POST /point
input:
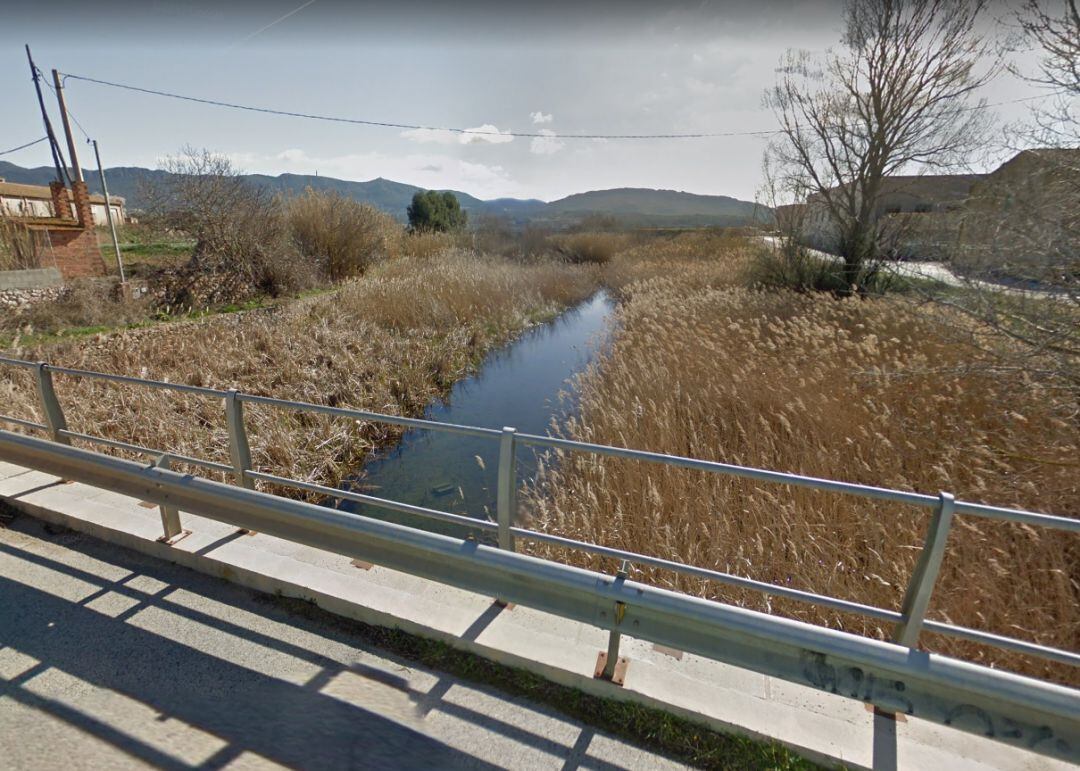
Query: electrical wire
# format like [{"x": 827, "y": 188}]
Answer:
[
  {"x": 23, "y": 147},
  {"x": 411, "y": 126},
  {"x": 472, "y": 132}
]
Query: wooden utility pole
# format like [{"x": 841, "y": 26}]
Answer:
[
  {"x": 108, "y": 211},
  {"x": 59, "y": 85},
  {"x": 58, "y": 159}
]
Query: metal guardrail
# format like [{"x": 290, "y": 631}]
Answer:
[{"x": 1058, "y": 735}]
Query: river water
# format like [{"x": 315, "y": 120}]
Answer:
[{"x": 523, "y": 385}]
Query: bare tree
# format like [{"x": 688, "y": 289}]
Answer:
[
  {"x": 238, "y": 227},
  {"x": 894, "y": 97},
  {"x": 1019, "y": 248},
  {"x": 1057, "y": 38}
]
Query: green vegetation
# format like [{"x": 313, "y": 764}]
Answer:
[{"x": 432, "y": 211}]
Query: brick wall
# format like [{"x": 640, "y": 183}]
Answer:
[{"x": 74, "y": 247}]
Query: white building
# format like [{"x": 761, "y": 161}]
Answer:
[{"x": 18, "y": 200}]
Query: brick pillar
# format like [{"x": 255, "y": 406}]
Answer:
[
  {"x": 83, "y": 213},
  {"x": 61, "y": 200}
]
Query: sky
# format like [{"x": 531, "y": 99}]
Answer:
[{"x": 553, "y": 68}]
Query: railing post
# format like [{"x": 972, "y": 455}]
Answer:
[
  {"x": 54, "y": 415},
  {"x": 923, "y": 578},
  {"x": 170, "y": 515},
  {"x": 609, "y": 666},
  {"x": 239, "y": 451},
  {"x": 507, "y": 488}
]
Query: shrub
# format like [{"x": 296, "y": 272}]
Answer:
[
  {"x": 596, "y": 248},
  {"x": 343, "y": 236},
  {"x": 83, "y": 303},
  {"x": 431, "y": 210}
]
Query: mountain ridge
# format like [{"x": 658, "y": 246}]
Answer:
[{"x": 631, "y": 205}]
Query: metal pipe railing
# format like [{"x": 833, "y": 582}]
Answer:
[
  {"x": 908, "y": 622},
  {"x": 1037, "y": 716}
]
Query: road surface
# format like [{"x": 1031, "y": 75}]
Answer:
[{"x": 109, "y": 659}]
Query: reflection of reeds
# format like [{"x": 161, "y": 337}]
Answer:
[
  {"x": 18, "y": 246},
  {"x": 390, "y": 342},
  {"x": 856, "y": 390}
]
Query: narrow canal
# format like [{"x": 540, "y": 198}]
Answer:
[{"x": 519, "y": 386}]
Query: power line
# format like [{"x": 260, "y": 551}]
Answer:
[
  {"x": 23, "y": 147},
  {"x": 69, "y": 112},
  {"x": 476, "y": 132},
  {"x": 387, "y": 124}
]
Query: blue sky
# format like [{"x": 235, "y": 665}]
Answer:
[{"x": 630, "y": 67}]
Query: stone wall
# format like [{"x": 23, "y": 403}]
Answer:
[{"x": 17, "y": 299}]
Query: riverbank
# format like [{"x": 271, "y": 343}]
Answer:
[
  {"x": 875, "y": 391},
  {"x": 392, "y": 341}
]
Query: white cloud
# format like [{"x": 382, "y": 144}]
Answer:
[
  {"x": 548, "y": 144},
  {"x": 485, "y": 134},
  {"x": 540, "y": 117}
]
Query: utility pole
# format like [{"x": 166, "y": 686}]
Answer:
[
  {"x": 58, "y": 159},
  {"x": 108, "y": 212},
  {"x": 67, "y": 126}
]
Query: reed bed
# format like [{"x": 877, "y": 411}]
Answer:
[
  {"x": 390, "y": 342},
  {"x": 869, "y": 391}
]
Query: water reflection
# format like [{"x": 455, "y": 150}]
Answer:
[{"x": 518, "y": 386}]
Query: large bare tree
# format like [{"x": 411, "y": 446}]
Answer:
[
  {"x": 1022, "y": 226},
  {"x": 895, "y": 97}
]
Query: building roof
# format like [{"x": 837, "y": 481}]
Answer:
[{"x": 17, "y": 190}]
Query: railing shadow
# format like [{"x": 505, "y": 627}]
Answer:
[{"x": 293, "y": 724}]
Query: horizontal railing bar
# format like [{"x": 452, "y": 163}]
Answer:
[
  {"x": 23, "y": 423},
  {"x": 382, "y": 503},
  {"x": 160, "y": 384},
  {"x": 1000, "y": 641},
  {"x": 712, "y": 575},
  {"x": 117, "y": 444},
  {"x": 1025, "y": 712},
  {"x": 18, "y": 363},
  {"x": 1056, "y": 522},
  {"x": 749, "y": 472},
  {"x": 816, "y": 483},
  {"x": 377, "y": 417}
]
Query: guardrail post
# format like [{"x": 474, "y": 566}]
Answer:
[
  {"x": 54, "y": 415},
  {"x": 507, "y": 488},
  {"x": 239, "y": 451},
  {"x": 170, "y": 515},
  {"x": 608, "y": 664},
  {"x": 921, "y": 585}
]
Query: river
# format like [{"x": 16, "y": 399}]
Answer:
[{"x": 523, "y": 385}]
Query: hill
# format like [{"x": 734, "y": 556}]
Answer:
[{"x": 631, "y": 206}]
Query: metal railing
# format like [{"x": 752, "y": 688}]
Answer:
[{"x": 908, "y": 622}]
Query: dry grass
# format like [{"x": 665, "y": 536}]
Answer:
[
  {"x": 859, "y": 390},
  {"x": 392, "y": 342}
]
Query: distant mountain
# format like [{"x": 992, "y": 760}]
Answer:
[{"x": 632, "y": 206}]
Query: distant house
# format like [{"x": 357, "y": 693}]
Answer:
[
  {"x": 1028, "y": 208},
  {"x": 1025, "y": 216},
  {"x": 17, "y": 200},
  {"x": 908, "y": 211}
]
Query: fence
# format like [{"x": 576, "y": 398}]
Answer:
[{"x": 896, "y": 676}]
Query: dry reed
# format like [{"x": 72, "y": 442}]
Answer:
[
  {"x": 390, "y": 342},
  {"x": 867, "y": 391}
]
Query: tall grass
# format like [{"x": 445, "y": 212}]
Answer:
[
  {"x": 391, "y": 342},
  {"x": 861, "y": 390}
]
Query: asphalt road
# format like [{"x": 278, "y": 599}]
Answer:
[{"x": 109, "y": 659}]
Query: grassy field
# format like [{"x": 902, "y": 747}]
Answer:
[
  {"x": 391, "y": 341},
  {"x": 875, "y": 391}
]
